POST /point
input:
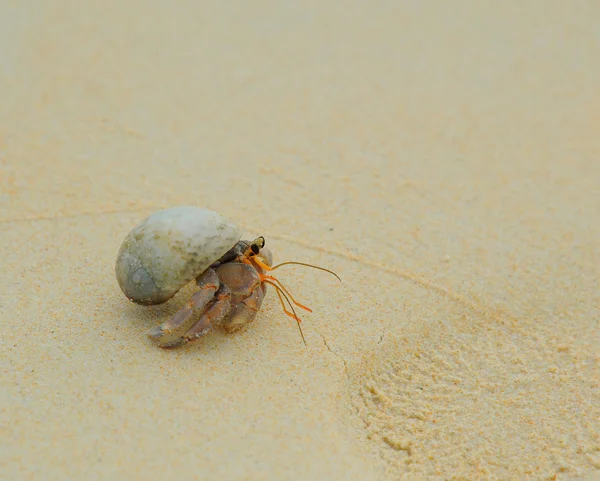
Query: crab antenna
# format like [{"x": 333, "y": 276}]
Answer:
[
  {"x": 280, "y": 293},
  {"x": 283, "y": 288},
  {"x": 306, "y": 265}
]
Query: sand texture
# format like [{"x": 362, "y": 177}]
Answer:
[{"x": 442, "y": 157}]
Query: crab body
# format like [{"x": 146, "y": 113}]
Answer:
[{"x": 230, "y": 294}]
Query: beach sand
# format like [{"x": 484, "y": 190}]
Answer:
[{"x": 441, "y": 157}]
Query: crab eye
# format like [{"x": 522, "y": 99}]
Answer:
[{"x": 257, "y": 245}]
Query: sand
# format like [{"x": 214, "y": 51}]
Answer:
[{"x": 441, "y": 157}]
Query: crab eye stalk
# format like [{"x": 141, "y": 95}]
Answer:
[{"x": 256, "y": 245}]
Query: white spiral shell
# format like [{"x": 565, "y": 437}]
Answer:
[{"x": 169, "y": 249}]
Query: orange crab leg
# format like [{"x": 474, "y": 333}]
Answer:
[
  {"x": 249, "y": 260},
  {"x": 246, "y": 260},
  {"x": 261, "y": 263},
  {"x": 293, "y": 316},
  {"x": 271, "y": 278}
]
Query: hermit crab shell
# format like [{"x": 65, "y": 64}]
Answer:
[{"x": 169, "y": 249}]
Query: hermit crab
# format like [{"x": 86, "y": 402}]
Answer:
[{"x": 172, "y": 247}]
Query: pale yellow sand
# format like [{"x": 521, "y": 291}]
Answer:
[{"x": 442, "y": 157}]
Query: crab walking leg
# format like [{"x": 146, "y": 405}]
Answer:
[
  {"x": 245, "y": 312},
  {"x": 212, "y": 316},
  {"x": 247, "y": 293},
  {"x": 171, "y": 331}
]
